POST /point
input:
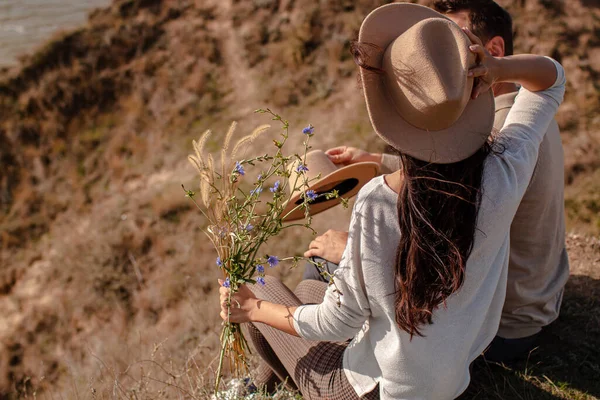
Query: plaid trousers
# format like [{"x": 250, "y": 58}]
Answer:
[{"x": 314, "y": 368}]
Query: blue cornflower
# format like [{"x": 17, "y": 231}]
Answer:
[
  {"x": 239, "y": 168},
  {"x": 219, "y": 262},
  {"x": 227, "y": 283},
  {"x": 301, "y": 168},
  {"x": 311, "y": 194},
  {"x": 309, "y": 130},
  {"x": 256, "y": 191},
  {"x": 272, "y": 261},
  {"x": 260, "y": 269},
  {"x": 261, "y": 281},
  {"x": 275, "y": 187},
  {"x": 249, "y": 227}
]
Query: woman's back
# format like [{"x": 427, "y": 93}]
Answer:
[
  {"x": 382, "y": 353},
  {"x": 435, "y": 365}
]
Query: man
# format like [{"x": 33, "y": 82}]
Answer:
[{"x": 538, "y": 266}]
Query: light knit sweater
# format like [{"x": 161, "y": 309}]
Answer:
[{"x": 435, "y": 366}]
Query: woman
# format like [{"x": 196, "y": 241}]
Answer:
[{"x": 421, "y": 285}]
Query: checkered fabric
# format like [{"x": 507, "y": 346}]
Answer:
[{"x": 315, "y": 367}]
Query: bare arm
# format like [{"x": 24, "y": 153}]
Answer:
[
  {"x": 245, "y": 307},
  {"x": 534, "y": 73},
  {"x": 346, "y": 155},
  {"x": 351, "y": 155},
  {"x": 275, "y": 315}
]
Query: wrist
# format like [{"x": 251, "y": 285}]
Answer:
[
  {"x": 254, "y": 310},
  {"x": 376, "y": 157},
  {"x": 498, "y": 69}
]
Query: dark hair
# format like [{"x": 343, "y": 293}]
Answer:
[
  {"x": 487, "y": 19},
  {"x": 437, "y": 211}
]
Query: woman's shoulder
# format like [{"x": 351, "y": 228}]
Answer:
[
  {"x": 376, "y": 187},
  {"x": 376, "y": 193}
]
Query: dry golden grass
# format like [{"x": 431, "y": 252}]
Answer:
[{"x": 106, "y": 279}]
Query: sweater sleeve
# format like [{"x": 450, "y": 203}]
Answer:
[
  {"x": 345, "y": 307},
  {"x": 524, "y": 130}
]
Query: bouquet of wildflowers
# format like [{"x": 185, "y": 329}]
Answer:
[{"x": 244, "y": 215}]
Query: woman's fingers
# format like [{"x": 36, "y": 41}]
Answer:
[
  {"x": 314, "y": 244},
  {"x": 480, "y": 87},
  {"x": 479, "y": 52},
  {"x": 474, "y": 39},
  {"x": 236, "y": 307},
  {"x": 314, "y": 250},
  {"x": 479, "y": 70},
  {"x": 311, "y": 253}
]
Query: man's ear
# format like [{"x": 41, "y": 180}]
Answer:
[{"x": 495, "y": 46}]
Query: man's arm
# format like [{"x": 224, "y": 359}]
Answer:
[{"x": 351, "y": 155}]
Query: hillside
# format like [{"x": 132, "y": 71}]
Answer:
[{"x": 104, "y": 270}]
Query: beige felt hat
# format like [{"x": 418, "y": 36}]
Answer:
[
  {"x": 347, "y": 180},
  {"x": 421, "y": 104}
]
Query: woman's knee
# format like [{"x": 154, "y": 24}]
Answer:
[
  {"x": 275, "y": 291},
  {"x": 311, "y": 291}
]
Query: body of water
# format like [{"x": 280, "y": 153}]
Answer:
[{"x": 25, "y": 24}]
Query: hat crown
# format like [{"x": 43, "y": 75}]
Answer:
[
  {"x": 324, "y": 176},
  {"x": 317, "y": 162},
  {"x": 418, "y": 114},
  {"x": 426, "y": 73}
]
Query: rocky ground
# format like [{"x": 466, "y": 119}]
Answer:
[{"x": 107, "y": 283}]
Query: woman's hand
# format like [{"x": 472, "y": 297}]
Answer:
[
  {"x": 243, "y": 304},
  {"x": 329, "y": 246},
  {"x": 351, "y": 155},
  {"x": 245, "y": 307},
  {"x": 485, "y": 71},
  {"x": 534, "y": 73}
]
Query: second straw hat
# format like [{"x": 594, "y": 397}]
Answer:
[{"x": 347, "y": 180}]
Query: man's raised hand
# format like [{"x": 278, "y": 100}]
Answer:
[{"x": 350, "y": 155}]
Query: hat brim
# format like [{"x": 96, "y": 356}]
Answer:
[
  {"x": 347, "y": 180},
  {"x": 456, "y": 143}
]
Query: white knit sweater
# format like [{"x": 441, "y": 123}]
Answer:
[{"x": 435, "y": 366}]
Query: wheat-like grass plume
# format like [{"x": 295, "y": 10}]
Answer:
[
  {"x": 229, "y": 136},
  {"x": 196, "y": 163},
  {"x": 204, "y": 191},
  {"x": 199, "y": 146},
  {"x": 224, "y": 161},
  {"x": 208, "y": 181},
  {"x": 248, "y": 140},
  {"x": 259, "y": 130},
  {"x": 230, "y": 212}
]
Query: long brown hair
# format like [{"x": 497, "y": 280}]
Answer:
[{"x": 437, "y": 211}]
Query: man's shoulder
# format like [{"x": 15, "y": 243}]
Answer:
[{"x": 504, "y": 103}]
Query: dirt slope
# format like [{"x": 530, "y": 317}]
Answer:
[{"x": 102, "y": 261}]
